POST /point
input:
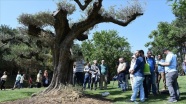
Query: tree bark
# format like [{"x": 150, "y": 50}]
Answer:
[{"x": 63, "y": 69}]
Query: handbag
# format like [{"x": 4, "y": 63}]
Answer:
[{"x": 146, "y": 69}]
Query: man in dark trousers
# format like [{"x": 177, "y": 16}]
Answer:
[{"x": 171, "y": 75}]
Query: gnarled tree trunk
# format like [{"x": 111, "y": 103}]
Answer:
[{"x": 65, "y": 35}]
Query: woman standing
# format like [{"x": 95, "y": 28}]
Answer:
[
  {"x": 45, "y": 79},
  {"x": 3, "y": 80},
  {"x": 39, "y": 79}
]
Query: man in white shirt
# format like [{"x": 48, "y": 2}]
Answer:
[
  {"x": 132, "y": 63},
  {"x": 121, "y": 74}
]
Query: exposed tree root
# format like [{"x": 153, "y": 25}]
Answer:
[{"x": 62, "y": 95}]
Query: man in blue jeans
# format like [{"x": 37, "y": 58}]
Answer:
[
  {"x": 87, "y": 75},
  {"x": 138, "y": 77},
  {"x": 171, "y": 75},
  {"x": 152, "y": 63}
]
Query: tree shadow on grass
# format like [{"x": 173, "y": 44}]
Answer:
[
  {"x": 115, "y": 92},
  {"x": 97, "y": 97},
  {"x": 182, "y": 96},
  {"x": 110, "y": 88}
]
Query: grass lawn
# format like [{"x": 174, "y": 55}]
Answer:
[
  {"x": 9, "y": 95},
  {"x": 120, "y": 97},
  {"x": 116, "y": 95}
]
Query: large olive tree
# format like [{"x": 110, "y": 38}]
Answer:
[{"x": 64, "y": 32}]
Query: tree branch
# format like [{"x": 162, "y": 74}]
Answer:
[
  {"x": 83, "y": 7},
  {"x": 96, "y": 7},
  {"x": 91, "y": 20},
  {"x": 16, "y": 40},
  {"x": 121, "y": 22}
]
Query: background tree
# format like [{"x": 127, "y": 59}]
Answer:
[
  {"x": 108, "y": 46},
  {"x": 171, "y": 35},
  {"x": 20, "y": 51},
  {"x": 61, "y": 39},
  {"x": 179, "y": 7}
]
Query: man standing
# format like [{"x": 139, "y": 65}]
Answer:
[
  {"x": 171, "y": 75},
  {"x": 79, "y": 74},
  {"x": 152, "y": 63},
  {"x": 104, "y": 74},
  {"x": 138, "y": 77},
  {"x": 132, "y": 63},
  {"x": 121, "y": 73}
]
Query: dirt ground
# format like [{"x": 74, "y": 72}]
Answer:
[
  {"x": 58, "y": 100},
  {"x": 72, "y": 97}
]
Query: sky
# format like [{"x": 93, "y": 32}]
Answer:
[{"x": 136, "y": 32}]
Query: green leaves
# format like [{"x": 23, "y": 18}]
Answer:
[
  {"x": 22, "y": 49},
  {"x": 108, "y": 46},
  {"x": 41, "y": 19},
  {"x": 179, "y": 8}
]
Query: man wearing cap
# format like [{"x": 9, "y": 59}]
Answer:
[
  {"x": 171, "y": 75},
  {"x": 132, "y": 63}
]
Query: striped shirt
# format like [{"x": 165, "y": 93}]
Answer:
[{"x": 79, "y": 66}]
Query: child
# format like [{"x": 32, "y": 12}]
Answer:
[{"x": 30, "y": 82}]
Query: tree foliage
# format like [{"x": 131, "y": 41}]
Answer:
[
  {"x": 108, "y": 46},
  {"x": 171, "y": 35},
  {"x": 22, "y": 50},
  {"x": 179, "y": 8}
]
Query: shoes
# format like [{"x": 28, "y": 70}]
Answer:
[
  {"x": 172, "y": 101},
  {"x": 142, "y": 100}
]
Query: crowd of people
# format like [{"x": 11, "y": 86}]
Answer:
[
  {"x": 144, "y": 72},
  {"x": 143, "y": 83},
  {"x": 41, "y": 80},
  {"x": 93, "y": 74}
]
